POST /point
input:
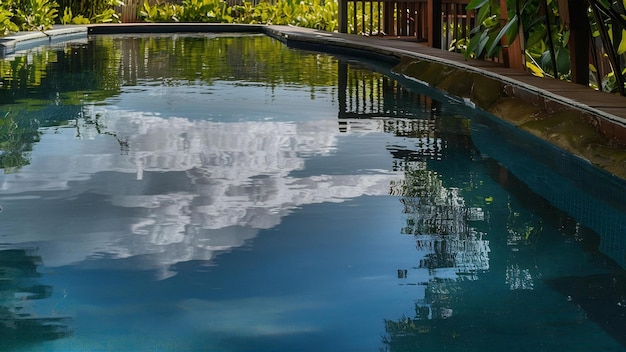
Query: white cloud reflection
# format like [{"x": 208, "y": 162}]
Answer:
[{"x": 230, "y": 181}]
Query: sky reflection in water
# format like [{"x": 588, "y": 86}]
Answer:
[{"x": 234, "y": 216}]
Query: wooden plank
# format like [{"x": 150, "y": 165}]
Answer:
[{"x": 620, "y": 112}]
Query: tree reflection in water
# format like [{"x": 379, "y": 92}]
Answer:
[
  {"x": 20, "y": 324},
  {"x": 473, "y": 300}
]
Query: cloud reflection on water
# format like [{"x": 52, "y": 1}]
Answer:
[{"x": 228, "y": 181}]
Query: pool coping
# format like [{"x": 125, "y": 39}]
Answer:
[
  {"x": 608, "y": 116},
  {"x": 27, "y": 40}
]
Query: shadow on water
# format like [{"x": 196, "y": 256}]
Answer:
[
  {"x": 20, "y": 324},
  {"x": 468, "y": 313},
  {"x": 601, "y": 296},
  {"x": 593, "y": 197}
]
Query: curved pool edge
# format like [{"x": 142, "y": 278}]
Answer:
[
  {"x": 26, "y": 40},
  {"x": 539, "y": 106}
]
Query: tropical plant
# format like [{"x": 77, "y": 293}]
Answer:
[
  {"x": 94, "y": 11},
  {"x": 6, "y": 26},
  {"x": 608, "y": 22},
  {"x": 545, "y": 37},
  {"x": 311, "y": 14},
  {"x": 35, "y": 14},
  {"x": 483, "y": 36},
  {"x": 160, "y": 13},
  {"x": 68, "y": 18},
  {"x": 216, "y": 11}
]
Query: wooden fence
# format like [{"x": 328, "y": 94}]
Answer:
[
  {"x": 441, "y": 23},
  {"x": 128, "y": 11}
]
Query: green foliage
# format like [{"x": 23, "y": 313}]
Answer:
[
  {"x": 160, "y": 13},
  {"x": 541, "y": 41},
  {"x": 608, "y": 23},
  {"x": 545, "y": 38},
  {"x": 38, "y": 15},
  {"x": 487, "y": 28},
  {"x": 34, "y": 15},
  {"x": 67, "y": 18},
  {"x": 6, "y": 26},
  {"x": 106, "y": 16},
  {"x": 310, "y": 14},
  {"x": 94, "y": 11},
  {"x": 213, "y": 11},
  {"x": 15, "y": 143}
]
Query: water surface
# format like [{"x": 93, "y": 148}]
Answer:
[{"x": 227, "y": 193}]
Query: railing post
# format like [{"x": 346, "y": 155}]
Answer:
[
  {"x": 342, "y": 16},
  {"x": 575, "y": 11},
  {"x": 434, "y": 23},
  {"x": 512, "y": 54},
  {"x": 388, "y": 14}
]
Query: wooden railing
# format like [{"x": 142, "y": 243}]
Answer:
[
  {"x": 128, "y": 11},
  {"x": 441, "y": 22}
]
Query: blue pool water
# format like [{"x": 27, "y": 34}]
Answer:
[{"x": 227, "y": 193}]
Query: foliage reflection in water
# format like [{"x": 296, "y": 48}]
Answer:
[{"x": 228, "y": 193}]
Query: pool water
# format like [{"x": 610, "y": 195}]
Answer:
[{"x": 228, "y": 193}]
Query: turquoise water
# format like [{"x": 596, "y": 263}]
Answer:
[{"x": 227, "y": 193}]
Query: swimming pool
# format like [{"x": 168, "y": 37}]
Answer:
[{"x": 227, "y": 193}]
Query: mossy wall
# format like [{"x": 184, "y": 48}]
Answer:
[{"x": 569, "y": 128}]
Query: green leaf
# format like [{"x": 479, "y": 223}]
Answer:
[
  {"x": 471, "y": 46},
  {"x": 474, "y": 4},
  {"x": 482, "y": 43},
  {"x": 565, "y": 39},
  {"x": 605, "y": 4},
  {"x": 536, "y": 21},
  {"x": 494, "y": 44},
  {"x": 482, "y": 14},
  {"x": 622, "y": 44},
  {"x": 562, "y": 60},
  {"x": 511, "y": 29},
  {"x": 490, "y": 44},
  {"x": 534, "y": 69},
  {"x": 546, "y": 62}
]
